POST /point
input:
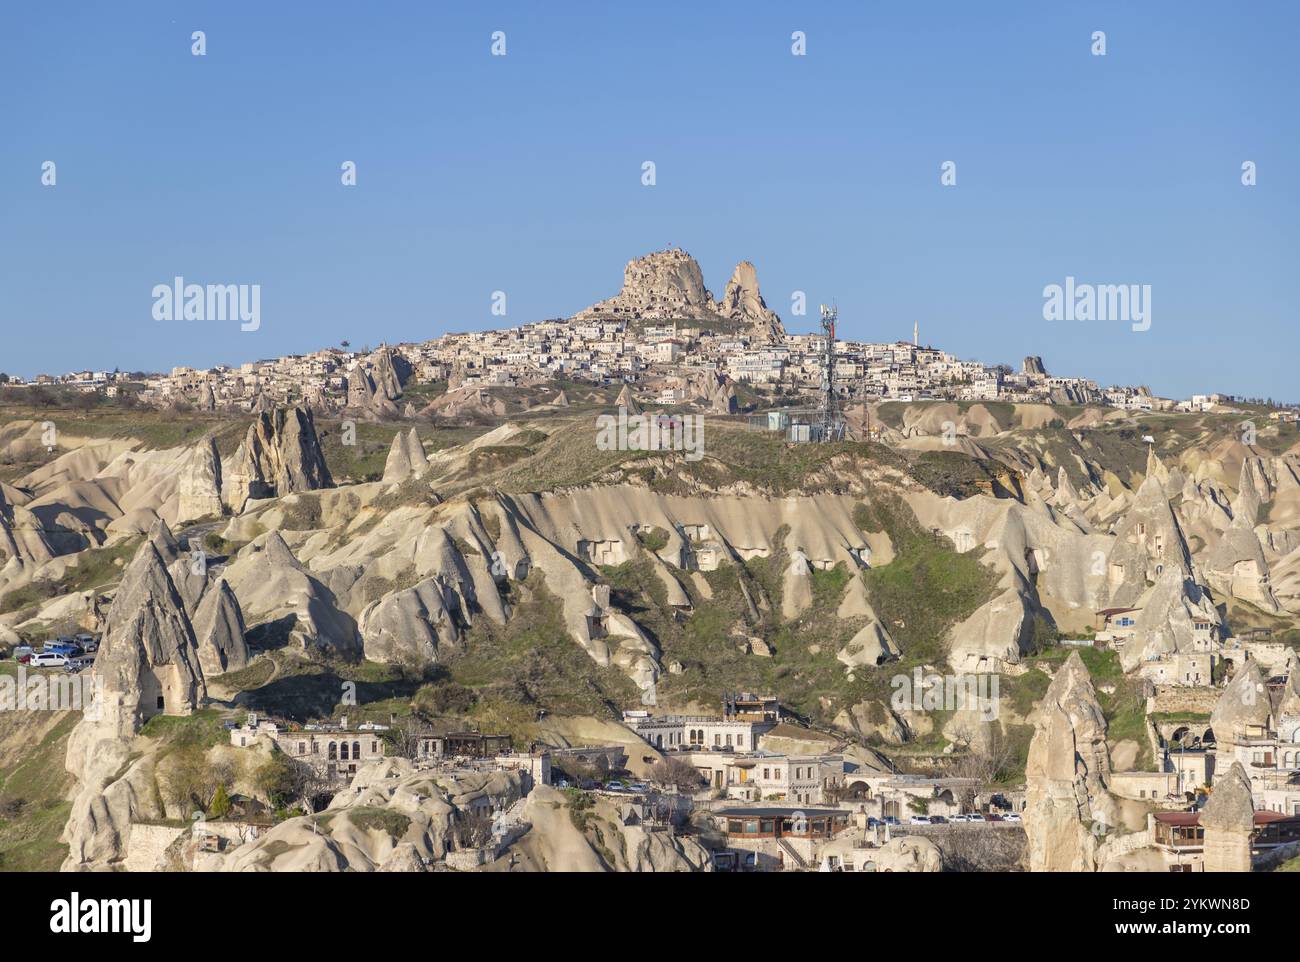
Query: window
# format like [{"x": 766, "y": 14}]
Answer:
[
  {"x": 333, "y": 751},
  {"x": 717, "y": 739},
  {"x": 161, "y": 703},
  {"x": 356, "y": 749},
  {"x": 343, "y": 751},
  {"x": 302, "y": 748},
  {"x": 740, "y": 741}
]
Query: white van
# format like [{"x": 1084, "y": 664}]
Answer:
[{"x": 48, "y": 659}]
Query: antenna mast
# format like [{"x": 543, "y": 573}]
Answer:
[{"x": 830, "y": 421}]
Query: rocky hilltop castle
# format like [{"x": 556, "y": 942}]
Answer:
[{"x": 668, "y": 285}]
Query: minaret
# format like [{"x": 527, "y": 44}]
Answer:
[{"x": 916, "y": 334}]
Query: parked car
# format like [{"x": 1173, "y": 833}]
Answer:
[
  {"x": 48, "y": 659},
  {"x": 79, "y": 664},
  {"x": 87, "y": 643},
  {"x": 562, "y": 783},
  {"x": 891, "y": 820},
  {"x": 992, "y": 817},
  {"x": 23, "y": 651},
  {"x": 919, "y": 820},
  {"x": 638, "y": 787},
  {"x": 63, "y": 647},
  {"x": 938, "y": 820},
  {"x": 614, "y": 786},
  {"x": 974, "y": 817},
  {"x": 1011, "y": 817},
  {"x": 873, "y": 822}
]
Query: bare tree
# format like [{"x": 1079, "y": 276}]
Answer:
[
  {"x": 676, "y": 774},
  {"x": 835, "y": 792},
  {"x": 405, "y": 738},
  {"x": 986, "y": 760},
  {"x": 473, "y": 830},
  {"x": 981, "y": 848}
]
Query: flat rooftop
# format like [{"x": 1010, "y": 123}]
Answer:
[{"x": 779, "y": 812}]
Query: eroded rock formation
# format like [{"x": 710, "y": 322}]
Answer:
[
  {"x": 280, "y": 454},
  {"x": 1068, "y": 805},
  {"x": 1229, "y": 820},
  {"x": 147, "y": 664}
]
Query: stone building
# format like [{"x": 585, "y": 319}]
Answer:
[
  {"x": 1256, "y": 723},
  {"x": 334, "y": 751}
]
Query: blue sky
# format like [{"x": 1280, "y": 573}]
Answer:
[{"x": 523, "y": 173}]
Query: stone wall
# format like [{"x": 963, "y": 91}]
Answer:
[{"x": 1175, "y": 698}]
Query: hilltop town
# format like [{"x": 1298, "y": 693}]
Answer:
[
  {"x": 645, "y": 589},
  {"x": 663, "y": 332}
]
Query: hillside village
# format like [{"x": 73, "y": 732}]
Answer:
[{"x": 402, "y": 610}]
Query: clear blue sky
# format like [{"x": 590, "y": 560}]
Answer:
[{"x": 523, "y": 174}]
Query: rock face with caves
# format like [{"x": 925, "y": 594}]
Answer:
[{"x": 402, "y": 573}]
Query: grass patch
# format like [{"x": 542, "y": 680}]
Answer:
[
  {"x": 29, "y": 838},
  {"x": 531, "y": 663},
  {"x": 370, "y": 819},
  {"x": 201, "y": 730},
  {"x": 928, "y": 587}
]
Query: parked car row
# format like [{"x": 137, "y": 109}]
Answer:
[
  {"x": 617, "y": 786},
  {"x": 68, "y": 653},
  {"x": 967, "y": 819}
]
